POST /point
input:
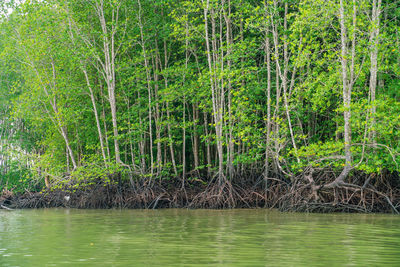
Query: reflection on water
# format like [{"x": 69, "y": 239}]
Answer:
[{"x": 62, "y": 237}]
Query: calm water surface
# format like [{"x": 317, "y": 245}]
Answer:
[{"x": 63, "y": 237}]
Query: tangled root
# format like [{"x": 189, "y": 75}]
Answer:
[{"x": 305, "y": 193}]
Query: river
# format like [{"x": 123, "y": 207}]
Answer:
[{"x": 69, "y": 237}]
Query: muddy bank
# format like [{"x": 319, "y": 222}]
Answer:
[{"x": 305, "y": 193}]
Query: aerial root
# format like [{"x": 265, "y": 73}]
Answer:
[
  {"x": 321, "y": 194},
  {"x": 307, "y": 192}
]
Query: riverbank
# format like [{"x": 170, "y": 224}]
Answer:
[{"x": 305, "y": 193}]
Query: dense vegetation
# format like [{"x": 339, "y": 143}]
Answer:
[{"x": 216, "y": 91}]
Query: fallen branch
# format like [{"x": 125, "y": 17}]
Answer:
[{"x": 6, "y": 208}]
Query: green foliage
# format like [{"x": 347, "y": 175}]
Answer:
[
  {"x": 180, "y": 92},
  {"x": 18, "y": 179},
  {"x": 93, "y": 171}
]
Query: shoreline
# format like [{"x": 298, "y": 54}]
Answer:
[{"x": 280, "y": 194}]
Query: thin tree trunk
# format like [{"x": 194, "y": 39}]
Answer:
[
  {"x": 157, "y": 116},
  {"x": 229, "y": 44},
  {"x": 208, "y": 149},
  {"x": 109, "y": 66},
  {"x": 141, "y": 144},
  {"x": 268, "y": 61},
  {"x": 146, "y": 64},
  {"x": 284, "y": 76},
  {"x": 62, "y": 127},
  {"x": 347, "y": 86},
  {"x": 184, "y": 142},
  {"x": 277, "y": 84},
  {"x": 108, "y": 75},
  {"x": 374, "y": 40},
  {"x": 96, "y": 115},
  {"x": 170, "y": 142},
  {"x": 217, "y": 93},
  {"x": 195, "y": 137},
  {"x": 104, "y": 120}
]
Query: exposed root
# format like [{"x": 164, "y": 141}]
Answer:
[
  {"x": 311, "y": 191},
  {"x": 218, "y": 196},
  {"x": 314, "y": 191}
]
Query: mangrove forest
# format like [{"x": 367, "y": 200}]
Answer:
[{"x": 288, "y": 104}]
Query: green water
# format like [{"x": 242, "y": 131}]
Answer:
[{"x": 62, "y": 237}]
